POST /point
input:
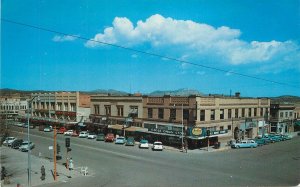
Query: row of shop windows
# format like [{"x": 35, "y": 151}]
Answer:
[
  {"x": 252, "y": 112},
  {"x": 13, "y": 107},
  {"x": 120, "y": 110},
  {"x": 55, "y": 106}
]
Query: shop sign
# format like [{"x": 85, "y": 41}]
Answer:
[
  {"x": 196, "y": 131},
  {"x": 165, "y": 131}
]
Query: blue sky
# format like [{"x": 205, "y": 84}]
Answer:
[{"x": 258, "y": 38}]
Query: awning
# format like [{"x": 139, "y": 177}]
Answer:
[
  {"x": 138, "y": 129},
  {"x": 297, "y": 123},
  {"x": 117, "y": 127}
]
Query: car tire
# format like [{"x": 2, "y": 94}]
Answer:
[{"x": 237, "y": 147}]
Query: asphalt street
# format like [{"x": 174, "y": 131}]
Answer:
[{"x": 276, "y": 164}]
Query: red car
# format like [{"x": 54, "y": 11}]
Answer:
[
  {"x": 109, "y": 137},
  {"x": 61, "y": 130},
  {"x": 74, "y": 133}
]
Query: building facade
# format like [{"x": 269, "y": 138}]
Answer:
[
  {"x": 282, "y": 117},
  {"x": 59, "y": 107},
  {"x": 116, "y": 113},
  {"x": 234, "y": 117},
  {"x": 11, "y": 107}
]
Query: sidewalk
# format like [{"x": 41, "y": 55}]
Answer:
[
  {"x": 16, "y": 164},
  {"x": 223, "y": 147}
]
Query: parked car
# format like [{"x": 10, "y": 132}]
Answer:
[
  {"x": 100, "y": 137},
  {"x": 25, "y": 146},
  {"x": 144, "y": 144},
  {"x": 266, "y": 139},
  {"x": 244, "y": 144},
  {"x": 48, "y": 129},
  {"x": 260, "y": 141},
  {"x": 287, "y": 137},
  {"x": 157, "y": 146},
  {"x": 83, "y": 134},
  {"x": 68, "y": 133},
  {"x": 130, "y": 141},
  {"x": 91, "y": 135},
  {"x": 25, "y": 125},
  {"x": 120, "y": 140},
  {"x": 109, "y": 137},
  {"x": 275, "y": 138},
  {"x": 9, "y": 140},
  {"x": 61, "y": 130},
  {"x": 74, "y": 133},
  {"x": 17, "y": 143},
  {"x": 19, "y": 124}
]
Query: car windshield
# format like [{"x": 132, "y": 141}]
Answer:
[
  {"x": 92, "y": 133},
  {"x": 120, "y": 138},
  {"x": 157, "y": 143},
  {"x": 144, "y": 141}
]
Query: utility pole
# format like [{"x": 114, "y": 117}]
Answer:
[{"x": 54, "y": 153}]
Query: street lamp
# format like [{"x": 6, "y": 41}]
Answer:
[{"x": 28, "y": 139}]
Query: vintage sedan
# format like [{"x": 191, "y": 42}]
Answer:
[
  {"x": 144, "y": 144},
  {"x": 244, "y": 144},
  {"x": 91, "y": 135},
  {"x": 120, "y": 140},
  {"x": 9, "y": 140},
  {"x": 26, "y": 146},
  {"x": 130, "y": 141},
  {"x": 83, "y": 134},
  {"x": 109, "y": 137},
  {"x": 157, "y": 146},
  {"x": 68, "y": 133},
  {"x": 100, "y": 137}
]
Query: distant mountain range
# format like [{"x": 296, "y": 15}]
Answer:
[{"x": 179, "y": 92}]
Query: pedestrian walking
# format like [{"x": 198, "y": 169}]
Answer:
[
  {"x": 43, "y": 173},
  {"x": 71, "y": 164}
]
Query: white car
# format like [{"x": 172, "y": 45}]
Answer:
[
  {"x": 157, "y": 146},
  {"x": 47, "y": 129},
  {"x": 144, "y": 144},
  {"x": 68, "y": 133},
  {"x": 9, "y": 140},
  {"x": 25, "y": 146},
  {"x": 92, "y": 135},
  {"x": 83, "y": 134}
]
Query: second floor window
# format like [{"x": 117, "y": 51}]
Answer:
[
  {"x": 236, "y": 113},
  {"x": 221, "y": 113},
  {"x": 97, "y": 109},
  {"x": 186, "y": 114},
  {"x": 249, "y": 112},
  {"x": 107, "y": 110},
  {"x": 212, "y": 114},
  {"x": 202, "y": 115},
  {"x": 161, "y": 113},
  {"x": 243, "y": 112},
  {"x": 172, "y": 114},
  {"x": 229, "y": 113},
  {"x": 120, "y": 110},
  {"x": 150, "y": 113}
]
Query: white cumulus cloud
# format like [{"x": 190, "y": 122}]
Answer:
[
  {"x": 194, "y": 39},
  {"x": 64, "y": 38}
]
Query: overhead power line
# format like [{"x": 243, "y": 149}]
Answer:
[{"x": 146, "y": 53}]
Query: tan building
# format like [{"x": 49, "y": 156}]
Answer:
[
  {"x": 60, "y": 107},
  {"x": 116, "y": 112},
  {"x": 282, "y": 116},
  {"x": 234, "y": 117}
]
